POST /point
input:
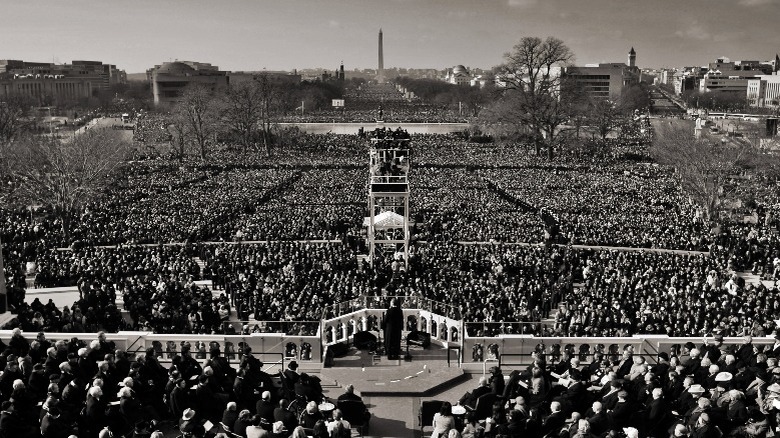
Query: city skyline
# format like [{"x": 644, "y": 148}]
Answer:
[{"x": 297, "y": 34}]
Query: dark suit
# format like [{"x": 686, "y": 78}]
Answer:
[
  {"x": 96, "y": 413},
  {"x": 54, "y": 427},
  {"x": 394, "y": 324},
  {"x": 553, "y": 423},
  {"x": 706, "y": 431},
  {"x": 657, "y": 416},
  {"x": 471, "y": 399},
  {"x": 621, "y": 414},
  {"x": 286, "y": 417},
  {"x": 265, "y": 409},
  {"x": 599, "y": 423}
]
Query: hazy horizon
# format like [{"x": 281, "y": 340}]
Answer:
[{"x": 299, "y": 34}]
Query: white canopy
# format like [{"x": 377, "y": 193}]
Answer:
[{"x": 386, "y": 219}]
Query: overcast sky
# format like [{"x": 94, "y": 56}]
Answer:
[{"x": 287, "y": 34}]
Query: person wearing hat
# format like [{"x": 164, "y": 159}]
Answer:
[
  {"x": 771, "y": 398},
  {"x": 688, "y": 400},
  {"x": 190, "y": 425}
]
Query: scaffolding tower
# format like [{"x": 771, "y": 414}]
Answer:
[{"x": 388, "y": 201}]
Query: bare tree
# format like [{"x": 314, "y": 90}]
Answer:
[
  {"x": 604, "y": 115},
  {"x": 65, "y": 173},
  {"x": 532, "y": 77},
  {"x": 178, "y": 129},
  {"x": 243, "y": 106},
  {"x": 14, "y": 117},
  {"x": 704, "y": 164},
  {"x": 271, "y": 101},
  {"x": 196, "y": 114}
]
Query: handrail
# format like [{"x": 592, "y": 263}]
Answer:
[
  {"x": 305, "y": 328},
  {"x": 381, "y": 302},
  {"x": 501, "y": 328}
]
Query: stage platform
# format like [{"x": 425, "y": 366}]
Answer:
[{"x": 426, "y": 374}]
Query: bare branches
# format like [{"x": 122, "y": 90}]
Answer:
[
  {"x": 242, "y": 109},
  {"x": 196, "y": 117},
  {"x": 532, "y": 78},
  {"x": 65, "y": 173},
  {"x": 703, "y": 164},
  {"x": 14, "y": 119}
]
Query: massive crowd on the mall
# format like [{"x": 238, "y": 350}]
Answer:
[{"x": 278, "y": 238}]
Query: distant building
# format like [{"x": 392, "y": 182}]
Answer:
[
  {"x": 458, "y": 75},
  {"x": 687, "y": 79},
  {"x": 764, "y": 91},
  {"x": 54, "y": 83},
  {"x": 725, "y": 76},
  {"x": 170, "y": 79},
  {"x": 606, "y": 81}
]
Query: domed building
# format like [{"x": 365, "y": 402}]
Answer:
[
  {"x": 458, "y": 75},
  {"x": 171, "y": 78}
]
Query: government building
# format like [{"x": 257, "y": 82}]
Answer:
[
  {"x": 51, "y": 83},
  {"x": 606, "y": 81}
]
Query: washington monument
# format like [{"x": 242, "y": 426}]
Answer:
[{"x": 380, "y": 71}]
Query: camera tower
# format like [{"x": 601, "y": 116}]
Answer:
[{"x": 388, "y": 201}]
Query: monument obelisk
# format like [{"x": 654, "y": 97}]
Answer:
[{"x": 380, "y": 71}]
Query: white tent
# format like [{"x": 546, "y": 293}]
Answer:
[{"x": 386, "y": 219}]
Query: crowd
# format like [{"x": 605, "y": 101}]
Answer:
[
  {"x": 285, "y": 281},
  {"x": 88, "y": 388},
  {"x": 701, "y": 390},
  {"x": 625, "y": 206},
  {"x": 475, "y": 209},
  {"x": 383, "y": 102}
]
